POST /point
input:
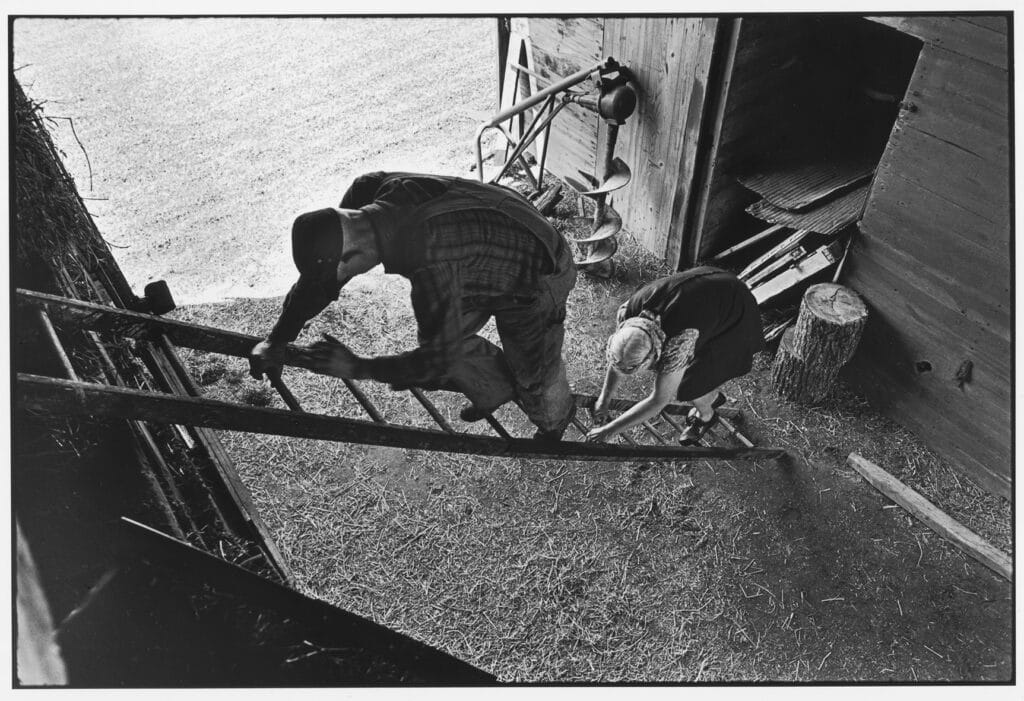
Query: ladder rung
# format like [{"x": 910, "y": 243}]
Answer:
[
  {"x": 364, "y": 401},
  {"x": 496, "y": 425},
  {"x": 650, "y": 429},
  {"x": 431, "y": 409},
  {"x": 58, "y": 347},
  {"x": 286, "y": 394}
]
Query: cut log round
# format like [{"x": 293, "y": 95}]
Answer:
[
  {"x": 829, "y": 325},
  {"x": 798, "y": 379}
]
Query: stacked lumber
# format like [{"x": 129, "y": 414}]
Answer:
[
  {"x": 812, "y": 202},
  {"x": 824, "y": 338}
]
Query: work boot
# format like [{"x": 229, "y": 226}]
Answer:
[
  {"x": 553, "y": 435},
  {"x": 471, "y": 413}
]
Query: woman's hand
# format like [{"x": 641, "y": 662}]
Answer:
[
  {"x": 599, "y": 434},
  {"x": 601, "y": 413}
]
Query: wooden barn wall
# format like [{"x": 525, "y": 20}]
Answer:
[
  {"x": 561, "y": 47},
  {"x": 759, "y": 64},
  {"x": 671, "y": 58},
  {"x": 932, "y": 258}
]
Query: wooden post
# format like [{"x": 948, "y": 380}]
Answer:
[{"x": 824, "y": 338}]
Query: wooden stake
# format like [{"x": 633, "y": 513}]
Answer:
[{"x": 922, "y": 509}]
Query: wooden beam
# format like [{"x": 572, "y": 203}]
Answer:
[
  {"x": 771, "y": 230},
  {"x": 922, "y": 509},
  {"x": 801, "y": 270},
  {"x": 65, "y": 397}
]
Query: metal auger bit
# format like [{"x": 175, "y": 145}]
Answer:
[
  {"x": 600, "y": 251},
  {"x": 618, "y": 177},
  {"x": 611, "y": 224}
]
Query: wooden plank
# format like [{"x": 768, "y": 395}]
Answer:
[
  {"x": 560, "y": 47},
  {"x": 738, "y": 126},
  {"x": 947, "y": 297},
  {"x": 787, "y": 243},
  {"x": 906, "y": 215},
  {"x": 997, "y": 23},
  {"x": 913, "y": 332},
  {"x": 946, "y": 86},
  {"x": 926, "y": 512},
  {"x": 225, "y": 466},
  {"x": 955, "y": 35},
  {"x": 65, "y": 397},
  {"x": 671, "y": 59},
  {"x": 950, "y": 173},
  {"x": 756, "y": 238},
  {"x": 801, "y": 270},
  {"x": 979, "y": 448}
]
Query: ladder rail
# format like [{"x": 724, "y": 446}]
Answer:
[
  {"x": 59, "y": 396},
  {"x": 101, "y": 317}
]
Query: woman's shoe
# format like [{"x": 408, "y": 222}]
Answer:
[{"x": 696, "y": 428}]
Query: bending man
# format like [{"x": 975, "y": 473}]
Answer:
[
  {"x": 471, "y": 251},
  {"x": 696, "y": 330}
]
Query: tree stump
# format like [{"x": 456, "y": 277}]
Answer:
[
  {"x": 797, "y": 379},
  {"x": 824, "y": 338},
  {"x": 830, "y": 324}
]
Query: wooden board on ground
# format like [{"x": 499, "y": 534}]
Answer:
[{"x": 950, "y": 529}]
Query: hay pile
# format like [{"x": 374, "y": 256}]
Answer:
[{"x": 52, "y": 229}]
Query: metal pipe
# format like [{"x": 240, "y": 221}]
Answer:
[
  {"x": 536, "y": 98},
  {"x": 526, "y": 139},
  {"x": 532, "y": 137}
]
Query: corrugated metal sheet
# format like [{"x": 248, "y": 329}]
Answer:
[
  {"x": 829, "y": 218},
  {"x": 800, "y": 185}
]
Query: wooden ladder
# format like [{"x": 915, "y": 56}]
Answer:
[{"x": 71, "y": 396}]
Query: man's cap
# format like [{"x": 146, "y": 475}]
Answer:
[{"x": 317, "y": 243}]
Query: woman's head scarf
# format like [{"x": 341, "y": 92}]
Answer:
[{"x": 636, "y": 344}]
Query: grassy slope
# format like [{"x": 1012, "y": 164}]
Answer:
[{"x": 208, "y": 136}]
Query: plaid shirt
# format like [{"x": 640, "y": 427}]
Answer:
[{"x": 461, "y": 260}]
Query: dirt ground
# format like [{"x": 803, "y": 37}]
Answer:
[{"x": 207, "y": 137}]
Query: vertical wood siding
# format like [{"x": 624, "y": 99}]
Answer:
[
  {"x": 561, "y": 47},
  {"x": 760, "y": 68},
  {"x": 671, "y": 58},
  {"x": 933, "y": 257}
]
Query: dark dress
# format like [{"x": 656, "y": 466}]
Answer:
[{"x": 721, "y": 308}]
